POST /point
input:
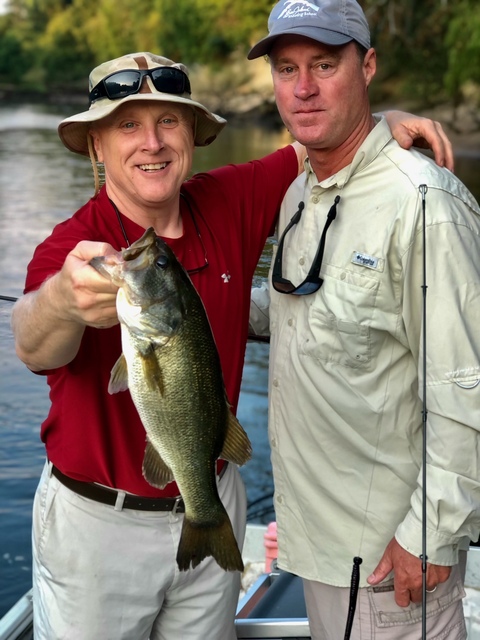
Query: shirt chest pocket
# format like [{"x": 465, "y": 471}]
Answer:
[{"x": 339, "y": 324}]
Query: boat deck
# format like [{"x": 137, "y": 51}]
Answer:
[{"x": 271, "y": 605}]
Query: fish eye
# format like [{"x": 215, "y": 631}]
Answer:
[{"x": 162, "y": 262}]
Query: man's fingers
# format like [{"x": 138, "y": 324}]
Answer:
[
  {"x": 403, "y": 597},
  {"x": 440, "y": 144}
]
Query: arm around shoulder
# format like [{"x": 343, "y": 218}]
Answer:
[
  {"x": 301, "y": 152},
  {"x": 408, "y": 130}
]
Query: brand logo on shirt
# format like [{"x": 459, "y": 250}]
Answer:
[
  {"x": 365, "y": 260},
  {"x": 226, "y": 277},
  {"x": 296, "y": 8}
]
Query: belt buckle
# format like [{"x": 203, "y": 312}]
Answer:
[{"x": 178, "y": 500}]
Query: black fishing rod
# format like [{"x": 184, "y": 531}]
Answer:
[
  {"x": 354, "y": 584},
  {"x": 423, "y": 190},
  {"x": 251, "y": 337}
]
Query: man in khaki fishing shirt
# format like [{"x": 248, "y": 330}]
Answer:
[{"x": 346, "y": 364}]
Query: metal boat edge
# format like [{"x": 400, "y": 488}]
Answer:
[{"x": 17, "y": 623}]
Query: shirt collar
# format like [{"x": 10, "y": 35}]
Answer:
[{"x": 373, "y": 144}]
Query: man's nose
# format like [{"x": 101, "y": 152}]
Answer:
[
  {"x": 305, "y": 86},
  {"x": 154, "y": 139}
]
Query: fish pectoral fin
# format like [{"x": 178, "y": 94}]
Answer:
[
  {"x": 155, "y": 471},
  {"x": 118, "y": 376},
  {"x": 151, "y": 370},
  {"x": 237, "y": 447}
]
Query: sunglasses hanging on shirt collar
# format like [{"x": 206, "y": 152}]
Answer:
[{"x": 312, "y": 282}]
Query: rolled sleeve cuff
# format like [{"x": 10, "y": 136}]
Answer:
[{"x": 441, "y": 549}]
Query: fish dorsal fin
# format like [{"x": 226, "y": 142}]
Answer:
[
  {"x": 155, "y": 471},
  {"x": 118, "y": 376},
  {"x": 237, "y": 447}
]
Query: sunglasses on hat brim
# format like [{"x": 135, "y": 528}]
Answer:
[{"x": 121, "y": 84}]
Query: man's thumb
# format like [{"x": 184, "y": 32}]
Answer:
[{"x": 381, "y": 571}]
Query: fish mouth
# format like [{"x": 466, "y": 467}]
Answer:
[
  {"x": 152, "y": 167},
  {"x": 110, "y": 266},
  {"x": 120, "y": 267}
]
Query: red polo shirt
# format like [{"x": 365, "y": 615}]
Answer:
[{"x": 93, "y": 436}]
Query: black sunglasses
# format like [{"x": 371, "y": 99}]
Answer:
[
  {"x": 312, "y": 282},
  {"x": 128, "y": 82}
]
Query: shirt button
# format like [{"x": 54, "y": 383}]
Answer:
[
  {"x": 315, "y": 199},
  {"x": 273, "y": 442},
  {"x": 275, "y": 382},
  {"x": 280, "y": 499},
  {"x": 343, "y": 276},
  {"x": 290, "y": 322},
  {"x": 301, "y": 261}
]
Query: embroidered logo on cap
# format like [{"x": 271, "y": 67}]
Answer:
[
  {"x": 365, "y": 260},
  {"x": 295, "y": 8}
]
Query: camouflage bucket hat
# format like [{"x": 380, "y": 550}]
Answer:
[{"x": 137, "y": 77}]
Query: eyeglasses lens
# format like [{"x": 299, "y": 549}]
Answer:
[
  {"x": 170, "y": 81},
  {"x": 122, "y": 84}
]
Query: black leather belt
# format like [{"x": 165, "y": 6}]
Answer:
[{"x": 108, "y": 496}]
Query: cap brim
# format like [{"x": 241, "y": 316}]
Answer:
[
  {"x": 73, "y": 130},
  {"x": 325, "y": 36}
]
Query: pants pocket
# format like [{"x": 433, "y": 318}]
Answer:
[
  {"x": 386, "y": 613},
  {"x": 42, "y": 506}
]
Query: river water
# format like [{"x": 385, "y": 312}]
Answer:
[{"x": 41, "y": 183}]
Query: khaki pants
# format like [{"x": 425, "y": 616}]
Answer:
[
  {"x": 101, "y": 574},
  {"x": 378, "y": 617}
]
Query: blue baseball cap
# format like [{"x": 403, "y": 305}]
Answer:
[{"x": 333, "y": 22}]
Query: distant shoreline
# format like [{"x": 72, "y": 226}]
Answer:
[{"x": 465, "y": 135}]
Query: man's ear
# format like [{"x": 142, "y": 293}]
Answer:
[
  {"x": 369, "y": 65},
  {"x": 96, "y": 144}
]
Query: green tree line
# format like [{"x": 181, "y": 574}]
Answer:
[{"x": 428, "y": 49}]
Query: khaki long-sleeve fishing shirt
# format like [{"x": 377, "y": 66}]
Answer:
[{"x": 346, "y": 366}]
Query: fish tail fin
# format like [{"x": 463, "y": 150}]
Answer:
[{"x": 199, "y": 540}]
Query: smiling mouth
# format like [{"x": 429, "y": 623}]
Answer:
[{"x": 159, "y": 166}]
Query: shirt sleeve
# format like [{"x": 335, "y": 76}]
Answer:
[
  {"x": 259, "y": 324},
  {"x": 452, "y": 377},
  {"x": 49, "y": 256}
]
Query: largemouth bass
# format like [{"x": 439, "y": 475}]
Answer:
[{"x": 171, "y": 366}]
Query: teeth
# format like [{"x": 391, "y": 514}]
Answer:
[{"x": 153, "y": 167}]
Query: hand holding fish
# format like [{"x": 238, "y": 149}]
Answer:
[
  {"x": 407, "y": 570},
  {"x": 87, "y": 297}
]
